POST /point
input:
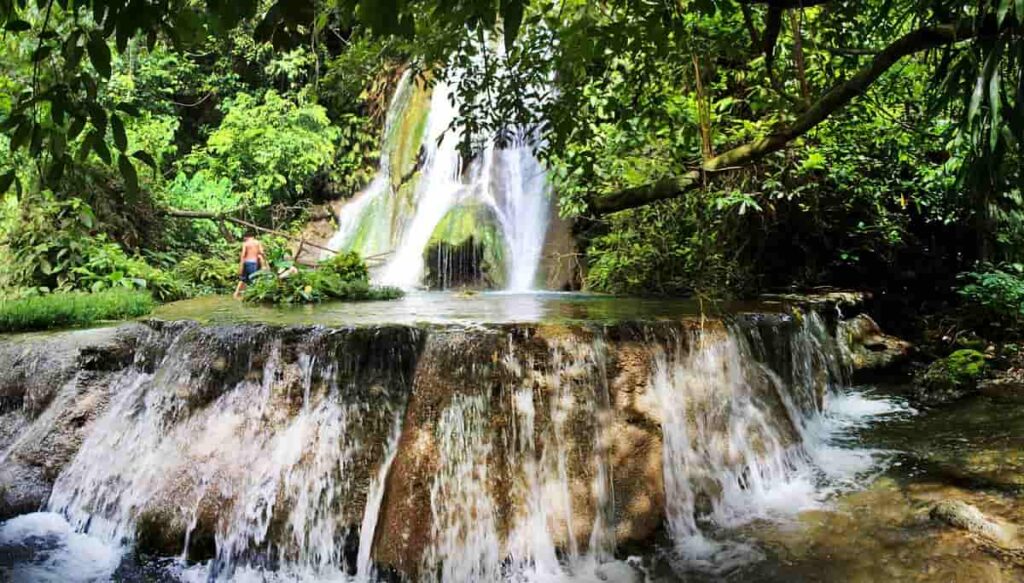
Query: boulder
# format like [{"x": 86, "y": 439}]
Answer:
[
  {"x": 951, "y": 378},
  {"x": 1007, "y": 387},
  {"x": 868, "y": 349},
  {"x": 964, "y": 516}
]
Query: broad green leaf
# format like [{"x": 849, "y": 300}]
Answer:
[
  {"x": 21, "y": 135},
  {"x": 512, "y": 18},
  {"x": 129, "y": 109},
  {"x": 1003, "y": 10},
  {"x": 36, "y": 144},
  {"x": 974, "y": 108},
  {"x": 995, "y": 101},
  {"x": 145, "y": 157},
  {"x": 99, "y": 54},
  {"x": 76, "y": 127},
  {"x": 120, "y": 137},
  {"x": 6, "y": 181},
  {"x": 17, "y": 26},
  {"x": 99, "y": 145},
  {"x": 41, "y": 53},
  {"x": 98, "y": 117},
  {"x": 131, "y": 178},
  {"x": 56, "y": 170}
]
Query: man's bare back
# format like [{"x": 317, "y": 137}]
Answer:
[
  {"x": 250, "y": 261},
  {"x": 252, "y": 250}
]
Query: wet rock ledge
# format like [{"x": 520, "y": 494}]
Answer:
[{"x": 212, "y": 411}]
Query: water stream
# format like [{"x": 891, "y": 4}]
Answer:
[
  {"x": 493, "y": 452},
  {"x": 498, "y": 201}
]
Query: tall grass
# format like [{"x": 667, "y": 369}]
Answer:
[{"x": 67, "y": 310}]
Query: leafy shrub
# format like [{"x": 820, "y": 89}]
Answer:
[
  {"x": 995, "y": 295},
  {"x": 62, "y": 310},
  {"x": 206, "y": 275},
  {"x": 308, "y": 286},
  {"x": 106, "y": 266},
  {"x": 51, "y": 248},
  {"x": 268, "y": 148},
  {"x": 44, "y": 241},
  {"x": 349, "y": 266}
]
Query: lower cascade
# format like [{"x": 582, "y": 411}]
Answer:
[{"x": 518, "y": 452}]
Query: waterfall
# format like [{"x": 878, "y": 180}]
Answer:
[
  {"x": 512, "y": 452},
  {"x": 508, "y": 183}
]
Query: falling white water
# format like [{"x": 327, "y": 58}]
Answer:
[
  {"x": 741, "y": 443},
  {"x": 279, "y": 460},
  {"x": 368, "y": 527},
  {"x": 438, "y": 189},
  {"x": 295, "y": 467},
  {"x": 510, "y": 181},
  {"x": 465, "y": 541}
]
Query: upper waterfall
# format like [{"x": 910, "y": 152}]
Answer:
[{"x": 442, "y": 221}]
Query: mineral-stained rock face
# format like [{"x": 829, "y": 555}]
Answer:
[
  {"x": 52, "y": 387},
  {"x": 452, "y": 453},
  {"x": 869, "y": 349}
]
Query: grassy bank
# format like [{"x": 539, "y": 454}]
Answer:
[{"x": 68, "y": 310}]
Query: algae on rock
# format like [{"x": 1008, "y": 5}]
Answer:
[{"x": 466, "y": 249}]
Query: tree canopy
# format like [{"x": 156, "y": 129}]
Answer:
[
  {"x": 814, "y": 57},
  {"x": 688, "y": 136}
]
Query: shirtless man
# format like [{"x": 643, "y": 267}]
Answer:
[{"x": 250, "y": 261}]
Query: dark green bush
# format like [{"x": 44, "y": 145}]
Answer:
[
  {"x": 309, "y": 286},
  {"x": 66, "y": 310},
  {"x": 994, "y": 296},
  {"x": 348, "y": 265},
  {"x": 206, "y": 275}
]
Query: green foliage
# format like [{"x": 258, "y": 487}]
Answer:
[
  {"x": 206, "y": 275},
  {"x": 50, "y": 246},
  {"x": 268, "y": 148},
  {"x": 309, "y": 286},
  {"x": 106, "y": 266},
  {"x": 265, "y": 108},
  {"x": 348, "y": 265},
  {"x": 62, "y": 310},
  {"x": 995, "y": 296},
  {"x": 966, "y": 365},
  {"x": 674, "y": 247},
  {"x": 44, "y": 242}
]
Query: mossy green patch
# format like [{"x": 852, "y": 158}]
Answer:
[
  {"x": 405, "y": 137},
  {"x": 466, "y": 249},
  {"x": 952, "y": 377}
]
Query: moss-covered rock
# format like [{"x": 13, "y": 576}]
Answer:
[
  {"x": 405, "y": 135},
  {"x": 951, "y": 378},
  {"x": 466, "y": 250}
]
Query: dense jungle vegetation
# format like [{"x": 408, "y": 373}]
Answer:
[{"x": 719, "y": 147}]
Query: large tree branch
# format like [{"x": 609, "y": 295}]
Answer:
[
  {"x": 220, "y": 217},
  {"x": 835, "y": 99}
]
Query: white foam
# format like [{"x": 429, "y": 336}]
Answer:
[{"x": 59, "y": 553}]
